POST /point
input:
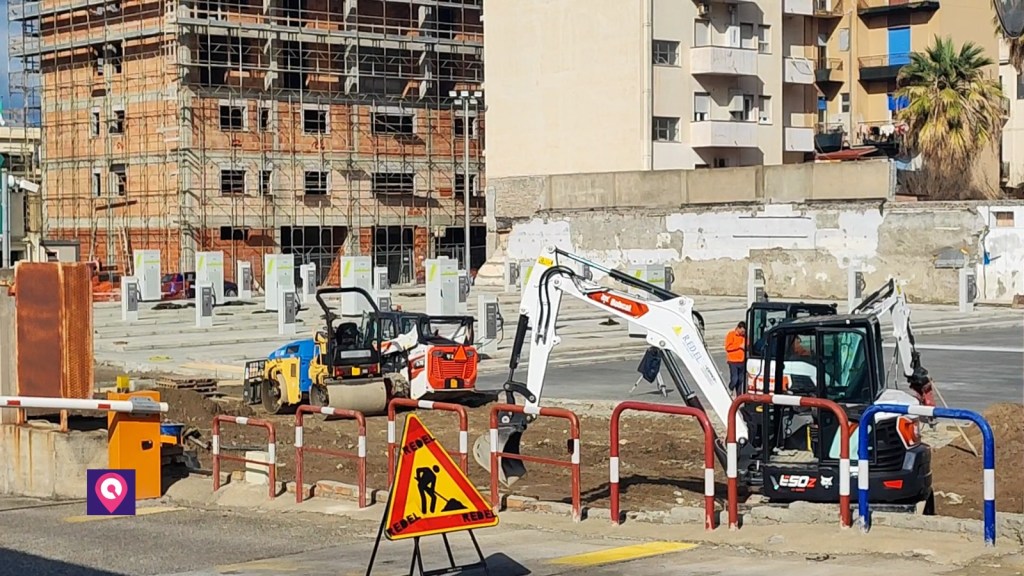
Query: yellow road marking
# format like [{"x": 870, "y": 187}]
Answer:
[
  {"x": 623, "y": 553},
  {"x": 138, "y": 512},
  {"x": 274, "y": 565}
]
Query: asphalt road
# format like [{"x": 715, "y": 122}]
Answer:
[
  {"x": 47, "y": 539},
  {"x": 972, "y": 370}
]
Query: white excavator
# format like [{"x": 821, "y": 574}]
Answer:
[{"x": 793, "y": 447}]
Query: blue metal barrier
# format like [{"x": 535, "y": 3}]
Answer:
[{"x": 989, "y": 474}]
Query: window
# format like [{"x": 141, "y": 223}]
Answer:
[
  {"x": 845, "y": 367},
  {"x": 232, "y": 182},
  {"x": 393, "y": 183},
  {"x": 315, "y": 183},
  {"x": 1020, "y": 86},
  {"x": 741, "y": 107},
  {"x": 265, "y": 182},
  {"x": 844, "y": 39},
  {"x": 314, "y": 121},
  {"x": 460, "y": 185},
  {"x": 392, "y": 123},
  {"x": 764, "y": 40},
  {"x": 764, "y": 108},
  {"x": 116, "y": 124},
  {"x": 97, "y": 183},
  {"x": 1004, "y": 219},
  {"x": 822, "y": 110},
  {"x": 701, "y": 107},
  {"x": 230, "y": 233},
  {"x": 264, "y": 120},
  {"x": 666, "y": 53},
  {"x": 119, "y": 178},
  {"x": 115, "y": 55},
  {"x": 94, "y": 122},
  {"x": 232, "y": 117},
  {"x": 666, "y": 129},
  {"x": 459, "y": 125},
  {"x": 844, "y": 103},
  {"x": 747, "y": 39}
]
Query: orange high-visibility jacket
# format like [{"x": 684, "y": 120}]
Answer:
[{"x": 734, "y": 344}]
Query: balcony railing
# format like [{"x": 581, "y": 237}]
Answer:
[
  {"x": 798, "y": 139},
  {"x": 798, "y": 7},
  {"x": 881, "y": 133},
  {"x": 885, "y": 7},
  {"x": 723, "y": 134},
  {"x": 828, "y": 70},
  {"x": 723, "y": 60},
  {"x": 798, "y": 71},
  {"x": 882, "y": 66}
]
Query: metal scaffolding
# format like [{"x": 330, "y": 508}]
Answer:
[{"x": 254, "y": 126}]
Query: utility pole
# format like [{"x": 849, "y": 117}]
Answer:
[
  {"x": 464, "y": 98},
  {"x": 5, "y": 216}
]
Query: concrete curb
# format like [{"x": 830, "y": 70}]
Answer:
[{"x": 1009, "y": 526}]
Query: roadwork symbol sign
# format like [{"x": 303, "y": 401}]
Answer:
[{"x": 431, "y": 494}]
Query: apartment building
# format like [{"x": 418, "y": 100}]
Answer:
[
  {"x": 618, "y": 85},
  {"x": 253, "y": 126},
  {"x": 1012, "y": 149},
  {"x": 863, "y": 44},
  {"x": 613, "y": 85}
]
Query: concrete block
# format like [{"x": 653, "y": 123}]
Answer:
[
  {"x": 582, "y": 191},
  {"x": 257, "y": 474},
  {"x": 719, "y": 186},
  {"x": 657, "y": 189},
  {"x": 788, "y": 183},
  {"x": 687, "y": 515}
]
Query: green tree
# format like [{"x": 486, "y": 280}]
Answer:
[{"x": 953, "y": 113}]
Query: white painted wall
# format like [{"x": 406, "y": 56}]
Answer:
[
  {"x": 1003, "y": 276},
  {"x": 1013, "y": 131}
]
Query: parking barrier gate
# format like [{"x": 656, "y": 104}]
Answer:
[
  {"x": 989, "y": 458},
  {"x": 271, "y": 462},
  {"x": 573, "y": 464},
  {"x": 788, "y": 400},
  {"x": 137, "y": 405},
  {"x": 427, "y": 405},
  {"x": 301, "y": 449},
  {"x": 709, "y": 453}
]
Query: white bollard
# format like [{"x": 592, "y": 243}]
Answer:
[
  {"x": 287, "y": 312},
  {"x": 755, "y": 284},
  {"x": 147, "y": 270},
  {"x": 968, "y": 290},
  {"x": 486, "y": 331},
  {"x": 243, "y": 278},
  {"x": 356, "y": 272},
  {"x": 210, "y": 269},
  {"x": 278, "y": 275}
]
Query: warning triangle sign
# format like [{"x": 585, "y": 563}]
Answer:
[{"x": 431, "y": 494}]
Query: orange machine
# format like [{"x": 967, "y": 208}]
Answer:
[{"x": 133, "y": 443}]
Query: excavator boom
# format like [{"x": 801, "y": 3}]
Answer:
[{"x": 672, "y": 327}]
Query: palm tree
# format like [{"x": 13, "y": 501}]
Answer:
[{"x": 953, "y": 112}]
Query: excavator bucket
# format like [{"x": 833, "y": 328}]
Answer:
[{"x": 510, "y": 470}]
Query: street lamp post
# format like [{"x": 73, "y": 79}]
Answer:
[{"x": 465, "y": 99}]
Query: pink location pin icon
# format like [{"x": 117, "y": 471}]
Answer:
[{"x": 111, "y": 489}]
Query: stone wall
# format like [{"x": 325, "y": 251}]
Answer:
[{"x": 804, "y": 223}]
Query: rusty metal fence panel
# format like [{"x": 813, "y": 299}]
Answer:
[{"x": 54, "y": 324}]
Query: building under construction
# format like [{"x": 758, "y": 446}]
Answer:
[{"x": 311, "y": 127}]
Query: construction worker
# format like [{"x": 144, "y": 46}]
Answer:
[{"x": 736, "y": 357}]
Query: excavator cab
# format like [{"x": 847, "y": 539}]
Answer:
[{"x": 838, "y": 358}]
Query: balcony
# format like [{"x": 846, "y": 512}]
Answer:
[
  {"x": 828, "y": 70},
  {"x": 882, "y": 67},
  {"x": 723, "y": 134},
  {"x": 798, "y": 7},
  {"x": 866, "y": 8},
  {"x": 829, "y": 137},
  {"x": 828, "y": 8},
  {"x": 798, "y": 71},
  {"x": 798, "y": 139},
  {"x": 881, "y": 133},
  {"x": 723, "y": 61}
]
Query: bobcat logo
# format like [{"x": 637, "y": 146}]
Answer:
[{"x": 826, "y": 482}]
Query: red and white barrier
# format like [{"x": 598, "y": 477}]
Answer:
[
  {"x": 789, "y": 400},
  {"x": 136, "y": 405},
  {"x": 427, "y": 405},
  {"x": 709, "y": 453},
  {"x": 359, "y": 456},
  {"x": 271, "y": 462}
]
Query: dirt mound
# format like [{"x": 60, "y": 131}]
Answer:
[
  {"x": 188, "y": 407},
  {"x": 957, "y": 471}
]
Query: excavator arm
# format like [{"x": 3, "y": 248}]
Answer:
[
  {"x": 891, "y": 299},
  {"x": 672, "y": 327}
]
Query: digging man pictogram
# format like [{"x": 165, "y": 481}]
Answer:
[{"x": 426, "y": 481}]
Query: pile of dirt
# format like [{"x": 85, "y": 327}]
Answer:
[
  {"x": 957, "y": 471},
  {"x": 194, "y": 409}
]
